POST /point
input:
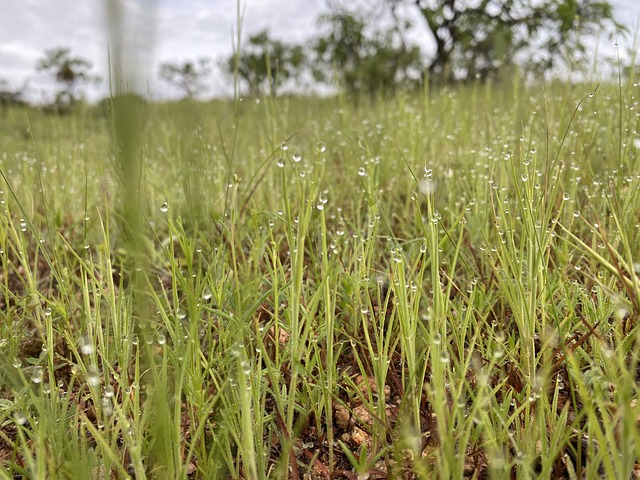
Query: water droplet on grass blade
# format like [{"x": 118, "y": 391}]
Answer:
[
  {"x": 23, "y": 225},
  {"x": 20, "y": 418},
  {"x": 620, "y": 313},
  {"x": 322, "y": 200},
  {"x": 108, "y": 391},
  {"x": 498, "y": 353},
  {"x": 107, "y": 406},
  {"x": 93, "y": 375},
  {"x": 164, "y": 208},
  {"x": 86, "y": 347},
  {"x": 296, "y": 157},
  {"x": 566, "y": 196},
  {"x": 37, "y": 376},
  {"x": 444, "y": 357}
]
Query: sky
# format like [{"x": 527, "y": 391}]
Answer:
[{"x": 160, "y": 31}]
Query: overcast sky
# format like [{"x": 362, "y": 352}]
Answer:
[{"x": 162, "y": 30}]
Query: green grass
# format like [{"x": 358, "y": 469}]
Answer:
[{"x": 432, "y": 286}]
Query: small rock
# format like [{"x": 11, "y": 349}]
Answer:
[{"x": 341, "y": 416}]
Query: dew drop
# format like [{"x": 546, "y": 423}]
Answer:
[
  {"x": 107, "y": 406},
  {"x": 108, "y": 391},
  {"x": 444, "y": 357},
  {"x": 164, "y": 208},
  {"x": 620, "y": 313},
  {"x": 93, "y": 375},
  {"x": 86, "y": 347},
  {"x": 37, "y": 376},
  {"x": 566, "y": 196},
  {"x": 20, "y": 418},
  {"x": 296, "y": 157}
]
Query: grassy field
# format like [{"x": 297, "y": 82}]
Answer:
[{"x": 440, "y": 285}]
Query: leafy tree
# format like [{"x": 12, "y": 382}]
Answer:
[
  {"x": 264, "y": 64},
  {"x": 478, "y": 39},
  {"x": 188, "y": 76},
  {"x": 10, "y": 96},
  {"x": 69, "y": 72},
  {"x": 370, "y": 63}
]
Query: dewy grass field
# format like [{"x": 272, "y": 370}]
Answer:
[{"x": 441, "y": 285}]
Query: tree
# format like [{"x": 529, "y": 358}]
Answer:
[
  {"x": 10, "y": 96},
  {"x": 477, "y": 39},
  {"x": 264, "y": 64},
  {"x": 69, "y": 72},
  {"x": 188, "y": 76},
  {"x": 370, "y": 63}
]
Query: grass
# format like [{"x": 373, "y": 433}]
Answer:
[{"x": 441, "y": 285}]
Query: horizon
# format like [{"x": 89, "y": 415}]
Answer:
[{"x": 175, "y": 27}]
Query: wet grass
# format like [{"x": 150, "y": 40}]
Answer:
[{"x": 432, "y": 286}]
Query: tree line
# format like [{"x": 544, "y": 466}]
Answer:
[{"x": 474, "y": 40}]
